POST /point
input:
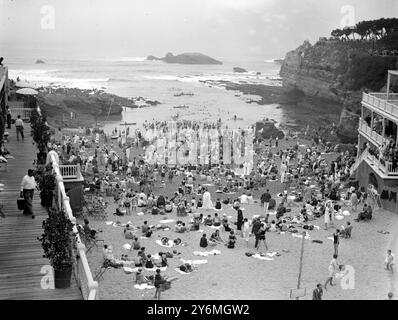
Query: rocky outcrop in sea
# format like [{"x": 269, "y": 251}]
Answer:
[{"x": 186, "y": 58}]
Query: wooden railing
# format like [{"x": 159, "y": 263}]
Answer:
[
  {"x": 371, "y": 134},
  {"x": 70, "y": 171},
  {"x": 379, "y": 101},
  {"x": 390, "y": 169},
  {"x": 20, "y": 111},
  {"x": 88, "y": 286},
  {"x": 386, "y": 168}
]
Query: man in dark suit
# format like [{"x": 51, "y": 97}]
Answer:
[{"x": 317, "y": 293}]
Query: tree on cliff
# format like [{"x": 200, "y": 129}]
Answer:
[{"x": 373, "y": 29}]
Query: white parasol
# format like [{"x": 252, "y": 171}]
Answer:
[{"x": 27, "y": 91}]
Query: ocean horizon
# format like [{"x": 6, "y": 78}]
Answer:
[{"x": 130, "y": 76}]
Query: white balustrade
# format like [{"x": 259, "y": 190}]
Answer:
[{"x": 88, "y": 286}]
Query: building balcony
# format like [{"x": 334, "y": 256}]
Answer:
[
  {"x": 383, "y": 104},
  {"x": 371, "y": 135},
  {"x": 385, "y": 170}
]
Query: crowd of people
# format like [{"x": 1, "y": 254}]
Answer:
[{"x": 306, "y": 177}]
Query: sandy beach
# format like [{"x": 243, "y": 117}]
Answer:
[{"x": 233, "y": 276}]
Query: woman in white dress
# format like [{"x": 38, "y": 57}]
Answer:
[
  {"x": 246, "y": 230},
  {"x": 333, "y": 269},
  {"x": 328, "y": 214},
  {"x": 207, "y": 203}
]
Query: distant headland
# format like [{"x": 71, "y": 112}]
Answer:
[{"x": 186, "y": 58}]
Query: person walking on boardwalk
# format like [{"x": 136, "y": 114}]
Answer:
[
  {"x": 28, "y": 186},
  {"x": 19, "y": 126}
]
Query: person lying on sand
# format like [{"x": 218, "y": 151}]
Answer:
[{"x": 187, "y": 268}]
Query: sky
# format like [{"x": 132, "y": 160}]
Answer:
[{"x": 223, "y": 29}]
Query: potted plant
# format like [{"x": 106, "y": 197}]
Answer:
[
  {"x": 56, "y": 242},
  {"x": 41, "y": 134},
  {"x": 46, "y": 182}
]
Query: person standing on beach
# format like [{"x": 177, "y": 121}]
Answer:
[
  {"x": 246, "y": 230},
  {"x": 261, "y": 237},
  {"x": 255, "y": 229},
  {"x": 19, "y": 126},
  {"x": 354, "y": 201},
  {"x": 317, "y": 293},
  {"x": 265, "y": 199},
  {"x": 159, "y": 281},
  {"x": 336, "y": 241},
  {"x": 28, "y": 186},
  {"x": 390, "y": 261},
  {"x": 333, "y": 267}
]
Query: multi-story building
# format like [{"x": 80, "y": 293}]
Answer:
[{"x": 378, "y": 131}]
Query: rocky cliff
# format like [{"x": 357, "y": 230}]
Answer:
[{"x": 337, "y": 71}]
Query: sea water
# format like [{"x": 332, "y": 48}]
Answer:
[{"x": 156, "y": 80}]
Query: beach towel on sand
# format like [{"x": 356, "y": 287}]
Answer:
[
  {"x": 214, "y": 227},
  {"x": 258, "y": 256},
  {"x": 194, "y": 261},
  {"x": 169, "y": 245},
  {"x": 166, "y": 221},
  {"x": 206, "y": 253},
  {"x": 128, "y": 270},
  {"x": 307, "y": 237},
  {"x": 143, "y": 286},
  {"x": 126, "y": 246}
]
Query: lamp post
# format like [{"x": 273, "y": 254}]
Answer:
[{"x": 301, "y": 263}]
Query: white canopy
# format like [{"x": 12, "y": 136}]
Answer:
[{"x": 27, "y": 91}]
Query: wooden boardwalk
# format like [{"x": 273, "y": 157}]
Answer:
[{"x": 21, "y": 255}]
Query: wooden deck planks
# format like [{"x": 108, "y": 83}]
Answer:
[{"x": 21, "y": 255}]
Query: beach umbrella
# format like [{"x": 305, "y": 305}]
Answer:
[{"x": 27, "y": 91}]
